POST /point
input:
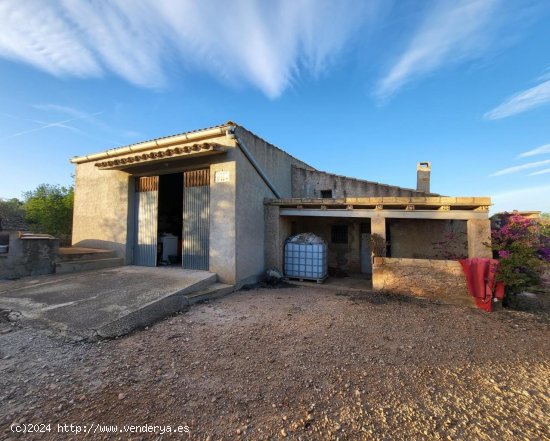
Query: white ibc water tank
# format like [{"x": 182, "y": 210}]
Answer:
[
  {"x": 306, "y": 257},
  {"x": 169, "y": 246}
]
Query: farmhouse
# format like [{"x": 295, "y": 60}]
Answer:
[{"x": 224, "y": 200}]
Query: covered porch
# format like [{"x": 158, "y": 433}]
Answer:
[{"x": 418, "y": 240}]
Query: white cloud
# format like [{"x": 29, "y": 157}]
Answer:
[
  {"x": 541, "y": 172},
  {"x": 518, "y": 168},
  {"x": 522, "y": 101},
  {"x": 452, "y": 31},
  {"x": 532, "y": 198},
  {"x": 536, "y": 151},
  {"x": 34, "y": 32},
  {"x": 266, "y": 44}
]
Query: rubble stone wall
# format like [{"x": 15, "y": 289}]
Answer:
[
  {"x": 435, "y": 279},
  {"x": 28, "y": 257}
]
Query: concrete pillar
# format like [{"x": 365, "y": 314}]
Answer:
[
  {"x": 378, "y": 226},
  {"x": 277, "y": 230},
  {"x": 479, "y": 238}
]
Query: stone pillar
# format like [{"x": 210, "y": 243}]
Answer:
[
  {"x": 277, "y": 229},
  {"x": 479, "y": 238},
  {"x": 378, "y": 226}
]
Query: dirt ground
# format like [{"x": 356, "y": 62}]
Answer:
[{"x": 293, "y": 363}]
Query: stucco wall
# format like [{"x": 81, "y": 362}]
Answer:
[
  {"x": 222, "y": 256},
  {"x": 251, "y": 192},
  {"x": 417, "y": 238},
  {"x": 307, "y": 183},
  {"x": 435, "y": 279},
  {"x": 277, "y": 230},
  {"x": 100, "y": 208}
]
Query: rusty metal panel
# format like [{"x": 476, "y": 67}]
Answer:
[
  {"x": 145, "y": 247},
  {"x": 196, "y": 219},
  {"x": 147, "y": 183}
]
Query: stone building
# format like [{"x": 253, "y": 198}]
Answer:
[{"x": 224, "y": 200}]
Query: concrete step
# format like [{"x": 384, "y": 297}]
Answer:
[
  {"x": 211, "y": 292},
  {"x": 75, "y": 266},
  {"x": 78, "y": 253}
]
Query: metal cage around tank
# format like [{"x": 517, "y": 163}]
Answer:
[{"x": 305, "y": 260}]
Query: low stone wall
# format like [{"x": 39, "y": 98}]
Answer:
[
  {"x": 28, "y": 255},
  {"x": 441, "y": 280}
]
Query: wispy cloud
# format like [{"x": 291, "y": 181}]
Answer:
[
  {"x": 62, "y": 124},
  {"x": 61, "y": 109},
  {"x": 518, "y": 168},
  {"x": 34, "y": 32},
  {"x": 541, "y": 172},
  {"x": 536, "y": 151},
  {"x": 451, "y": 31},
  {"x": 522, "y": 101},
  {"x": 87, "y": 117},
  {"x": 266, "y": 44}
]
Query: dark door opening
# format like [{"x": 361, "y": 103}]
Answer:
[
  {"x": 170, "y": 219},
  {"x": 365, "y": 244}
]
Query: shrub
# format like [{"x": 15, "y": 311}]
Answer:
[{"x": 521, "y": 246}]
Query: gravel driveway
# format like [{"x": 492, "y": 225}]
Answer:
[{"x": 294, "y": 363}]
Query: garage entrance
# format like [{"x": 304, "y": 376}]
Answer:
[{"x": 172, "y": 221}]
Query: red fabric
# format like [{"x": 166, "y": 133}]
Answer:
[{"x": 481, "y": 281}]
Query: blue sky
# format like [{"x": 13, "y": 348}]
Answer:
[{"x": 360, "y": 88}]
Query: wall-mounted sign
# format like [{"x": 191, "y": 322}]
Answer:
[{"x": 221, "y": 176}]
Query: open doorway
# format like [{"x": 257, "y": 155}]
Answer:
[
  {"x": 366, "y": 252},
  {"x": 170, "y": 219}
]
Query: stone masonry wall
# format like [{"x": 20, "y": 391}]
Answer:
[
  {"x": 30, "y": 256},
  {"x": 441, "y": 280},
  {"x": 307, "y": 183}
]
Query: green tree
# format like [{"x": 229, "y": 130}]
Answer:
[
  {"x": 49, "y": 209},
  {"x": 11, "y": 208}
]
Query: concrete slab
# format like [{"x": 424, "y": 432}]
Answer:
[{"x": 104, "y": 303}]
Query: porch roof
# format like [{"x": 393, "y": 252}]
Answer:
[{"x": 429, "y": 207}]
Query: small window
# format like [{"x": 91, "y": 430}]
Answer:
[
  {"x": 326, "y": 194},
  {"x": 339, "y": 234}
]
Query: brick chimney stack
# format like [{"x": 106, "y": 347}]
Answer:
[{"x": 423, "y": 177}]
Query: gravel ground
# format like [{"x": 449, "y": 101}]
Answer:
[{"x": 294, "y": 363}]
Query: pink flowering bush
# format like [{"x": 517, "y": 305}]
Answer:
[{"x": 521, "y": 245}]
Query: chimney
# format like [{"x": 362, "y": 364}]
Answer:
[{"x": 423, "y": 177}]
